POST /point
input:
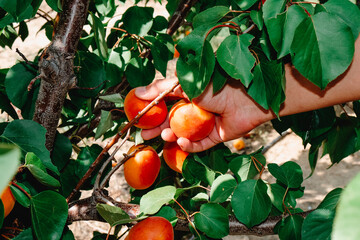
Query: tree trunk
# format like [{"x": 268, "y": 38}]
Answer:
[{"x": 57, "y": 69}]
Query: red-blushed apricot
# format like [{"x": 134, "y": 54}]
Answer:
[
  {"x": 152, "y": 228},
  {"x": 190, "y": 121},
  {"x": 8, "y": 201},
  {"x": 174, "y": 156},
  {"x": 239, "y": 144},
  {"x": 142, "y": 169},
  {"x": 152, "y": 118}
]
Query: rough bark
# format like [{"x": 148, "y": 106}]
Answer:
[
  {"x": 84, "y": 210},
  {"x": 56, "y": 67}
]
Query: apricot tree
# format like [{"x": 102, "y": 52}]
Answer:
[{"x": 74, "y": 89}]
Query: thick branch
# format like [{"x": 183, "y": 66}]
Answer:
[
  {"x": 56, "y": 67},
  {"x": 85, "y": 210}
]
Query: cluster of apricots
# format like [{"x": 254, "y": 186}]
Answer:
[
  {"x": 8, "y": 200},
  {"x": 186, "y": 120},
  {"x": 142, "y": 168}
]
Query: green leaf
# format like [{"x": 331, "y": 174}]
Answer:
[
  {"x": 235, "y": 57},
  {"x": 222, "y": 188},
  {"x": 111, "y": 214},
  {"x": 272, "y": 8},
  {"x": 26, "y": 234},
  {"x": 194, "y": 171},
  {"x": 55, "y": 5},
  {"x": 219, "y": 78},
  {"x": 151, "y": 202},
  {"x": 289, "y": 173},
  {"x": 105, "y": 7},
  {"x": 294, "y": 16},
  {"x": 61, "y": 152},
  {"x": 115, "y": 67},
  {"x": 15, "y": 7},
  {"x": 331, "y": 200},
  {"x": 160, "y": 54},
  {"x": 105, "y": 123},
  {"x": 138, "y": 20},
  {"x": 16, "y": 82},
  {"x": 256, "y": 17},
  {"x": 213, "y": 220},
  {"x": 20, "y": 196},
  {"x": 114, "y": 98},
  {"x": 318, "y": 223},
  {"x": 91, "y": 74},
  {"x": 244, "y": 4},
  {"x": 139, "y": 72},
  {"x": 316, "y": 54},
  {"x": 195, "y": 65},
  {"x": 347, "y": 213},
  {"x": 268, "y": 84},
  {"x": 43, "y": 177},
  {"x": 168, "y": 213},
  {"x": 30, "y": 137},
  {"x": 252, "y": 194},
  {"x": 247, "y": 166},
  {"x": 99, "y": 34},
  {"x": 9, "y": 161},
  {"x": 341, "y": 140},
  {"x": 5, "y": 105},
  {"x": 210, "y": 16},
  {"x": 23, "y": 30},
  {"x": 49, "y": 212},
  {"x": 291, "y": 228},
  {"x": 347, "y": 11}
]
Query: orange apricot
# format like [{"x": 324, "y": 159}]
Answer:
[
  {"x": 142, "y": 169},
  {"x": 8, "y": 201},
  {"x": 239, "y": 144},
  {"x": 176, "y": 53},
  {"x": 152, "y": 118},
  {"x": 190, "y": 121},
  {"x": 174, "y": 156},
  {"x": 152, "y": 228}
]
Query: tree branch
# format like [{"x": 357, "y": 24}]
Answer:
[
  {"x": 56, "y": 67},
  {"x": 179, "y": 15},
  {"x": 85, "y": 210}
]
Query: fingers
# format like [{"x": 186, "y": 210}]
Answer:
[
  {"x": 148, "y": 134},
  {"x": 153, "y": 90},
  {"x": 202, "y": 145}
]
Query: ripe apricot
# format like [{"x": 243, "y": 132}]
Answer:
[
  {"x": 152, "y": 228},
  {"x": 8, "y": 201},
  {"x": 174, "y": 156},
  {"x": 239, "y": 144},
  {"x": 176, "y": 53},
  {"x": 142, "y": 169},
  {"x": 152, "y": 118},
  {"x": 190, "y": 121}
]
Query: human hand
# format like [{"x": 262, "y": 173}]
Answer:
[{"x": 235, "y": 113}]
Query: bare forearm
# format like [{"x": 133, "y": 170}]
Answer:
[{"x": 302, "y": 95}]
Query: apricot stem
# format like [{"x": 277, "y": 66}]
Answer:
[
  {"x": 187, "y": 216},
  {"x": 116, "y": 138}
]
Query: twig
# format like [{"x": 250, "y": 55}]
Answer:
[
  {"x": 97, "y": 184},
  {"x": 25, "y": 59},
  {"x": 272, "y": 143},
  {"x": 116, "y": 139}
]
